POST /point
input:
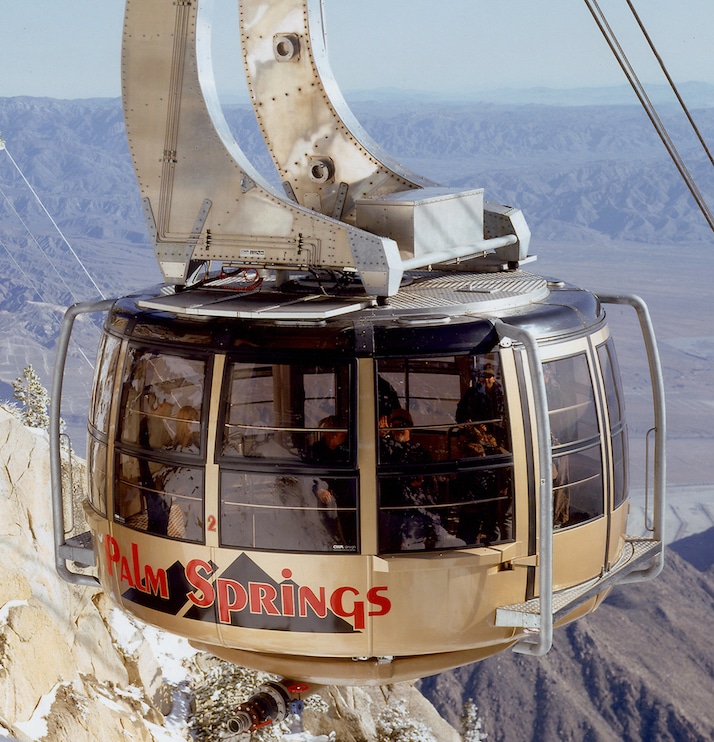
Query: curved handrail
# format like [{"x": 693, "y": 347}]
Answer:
[
  {"x": 541, "y": 643},
  {"x": 660, "y": 426},
  {"x": 58, "y": 524}
]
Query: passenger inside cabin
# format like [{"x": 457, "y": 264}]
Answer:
[
  {"x": 483, "y": 403},
  {"x": 187, "y": 436},
  {"x": 334, "y": 495},
  {"x": 408, "y": 503},
  {"x": 331, "y": 447},
  {"x": 478, "y": 521},
  {"x": 387, "y": 401}
]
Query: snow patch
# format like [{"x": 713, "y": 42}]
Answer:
[
  {"x": 36, "y": 726},
  {"x": 5, "y": 610}
]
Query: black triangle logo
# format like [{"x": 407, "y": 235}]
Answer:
[{"x": 265, "y": 609}]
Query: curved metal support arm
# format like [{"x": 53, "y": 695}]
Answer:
[
  {"x": 313, "y": 137},
  {"x": 204, "y": 200},
  {"x": 326, "y": 160},
  {"x": 58, "y": 524},
  {"x": 540, "y": 644},
  {"x": 660, "y": 426}
]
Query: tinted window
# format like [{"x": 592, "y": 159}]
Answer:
[
  {"x": 104, "y": 378},
  {"x": 159, "y": 468},
  {"x": 445, "y": 474},
  {"x": 288, "y": 479},
  {"x": 161, "y": 401},
  {"x": 97, "y": 469},
  {"x": 616, "y": 416},
  {"x": 578, "y": 494},
  {"x": 284, "y": 412},
  {"x": 160, "y": 498},
  {"x": 288, "y": 512}
]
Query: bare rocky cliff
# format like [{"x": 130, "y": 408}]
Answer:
[{"x": 61, "y": 668}]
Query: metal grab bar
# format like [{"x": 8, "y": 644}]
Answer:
[
  {"x": 540, "y": 644},
  {"x": 660, "y": 427},
  {"x": 58, "y": 520}
]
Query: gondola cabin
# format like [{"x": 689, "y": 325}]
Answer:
[
  {"x": 347, "y": 492},
  {"x": 350, "y": 439}
]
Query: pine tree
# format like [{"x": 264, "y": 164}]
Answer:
[
  {"x": 471, "y": 724},
  {"x": 33, "y": 399},
  {"x": 395, "y": 725}
]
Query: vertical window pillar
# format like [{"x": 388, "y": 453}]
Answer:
[
  {"x": 366, "y": 448},
  {"x": 212, "y": 475}
]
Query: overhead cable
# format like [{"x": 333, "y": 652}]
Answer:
[
  {"x": 671, "y": 82},
  {"x": 38, "y": 245},
  {"x": 54, "y": 223},
  {"x": 640, "y": 92}
]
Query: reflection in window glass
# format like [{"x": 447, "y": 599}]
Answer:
[
  {"x": 162, "y": 399},
  {"x": 104, "y": 382},
  {"x": 619, "y": 463},
  {"x": 158, "y": 498},
  {"x": 97, "y": 468},
  {"x": 451, "y": 408},
  {"x": 613, "y": 387},
  {"x": 427, "y": 512},
  {"x": 287, "y": 475},
  {"x": 433, "y": 412},
  {"x": 283, "y": 411},
  {"x": 616, "y": 416},
  {"x": 571, "y": 403},
  {"x": 288, "y": 512},
  {"x": 578, "y": 486}
]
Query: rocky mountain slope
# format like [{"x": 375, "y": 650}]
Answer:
[
  {"x": 62, "y": 672},
  {"x": 640, "y": 668}
]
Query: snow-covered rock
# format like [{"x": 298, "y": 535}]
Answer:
[
  {"x": 63, "y": 674},
  {"x": 354, "y": 713}
]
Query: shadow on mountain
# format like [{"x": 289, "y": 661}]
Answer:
[
  {"x": 698, "y": 549},
  {"x": 639, "y": 668}
]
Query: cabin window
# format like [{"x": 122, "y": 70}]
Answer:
[
  {"x": 163, "y": 499},
  {"x": 159, "y": 464},
  {"x": 288, "y": 479},
  {"x": 162, "y": 398},
  {"x": 97, "y": 468},
  {"x": 445, "y": 464},
  {"x": 104, "y": 383},
  {"x": 578, "y": 494},
  {"x": 288, "y": 512},
  {"x": 99, "y": 416},
  {"x": 281, "y": 411},
  {"x": 616, "y": 416}
]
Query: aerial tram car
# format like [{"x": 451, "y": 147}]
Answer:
[{"x": 351, "y": 439}]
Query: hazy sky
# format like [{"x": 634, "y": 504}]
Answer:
[{"x": 71, "y": 48}]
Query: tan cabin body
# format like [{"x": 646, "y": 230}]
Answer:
[{"x": 344, "y": 492}]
